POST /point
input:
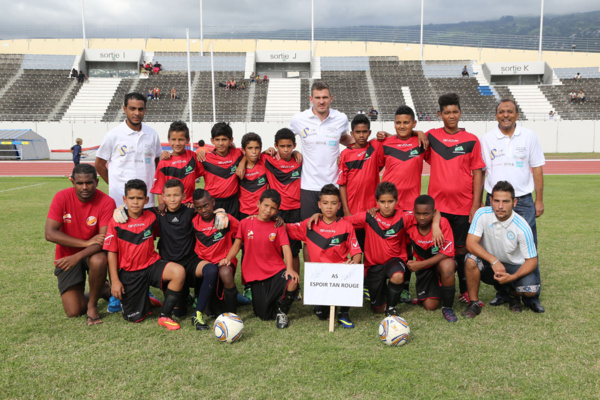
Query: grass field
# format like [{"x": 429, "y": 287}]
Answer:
[{"x": 497, "y": 355}]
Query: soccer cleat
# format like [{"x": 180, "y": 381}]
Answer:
[
  {"x": 282, "y": 320},
  {"x": 472, "y": 310},
  {"x": 168, "y": 323},
  {"x": 198, "y": 322},
  {"x": 464, "y": 298},
  {"x": 153, "y": 300},
  {"x": 405, "y": 296},
  {"x": 367, "y": 294},
  {"x": 514, "y": 304},
  {"x": 498, "y": 301},
  {"x": 320, "y": 312},
  {"x": 345, "y": 321},
  {"x": 248, "y": 293},
  {"x": 114, "y": 305},
  {"x": 449, "y": 315},
  {"x": 536, "y": 307},
  {"x": 391, "y": 311}
]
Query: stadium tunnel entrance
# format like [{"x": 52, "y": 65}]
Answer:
[
  {"x": 283, "y": 64},
  {"x": 111, "y": 63},
  {"x": 518, "y": 73}
]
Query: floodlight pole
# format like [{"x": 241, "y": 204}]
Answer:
[
  {"x": 83, "y": 25},
  {"x": 212, "y": 77},
  {"x": 190, "y": 94},
  {"x": 422, "y": 8},
  {"x": 201, "y": 31},
  {"x": 312, "y": 28},
  {"x": 541, "y": 30}
]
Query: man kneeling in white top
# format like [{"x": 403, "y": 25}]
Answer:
[{"x": 502, "y": 251}]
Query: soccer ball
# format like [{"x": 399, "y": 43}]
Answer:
[
  {"x": 228, "y": 328},
  {"x": 394, "y": 331}
]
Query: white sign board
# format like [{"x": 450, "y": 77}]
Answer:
[
  {"x": 516, "y": 68},
  {"x": 283, "y": 56},
  {"x": 113, "y": 55},
  {"x": 333, "y": 284}
]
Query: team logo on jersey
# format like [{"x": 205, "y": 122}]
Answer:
[
  {"x": 218, "y": 236},
  {"x": 459, "y": 149},
  {"x": 390, "y": 232},
  {"x": 250, "y": 235},
  {"x": 295, "y": 174},
  {"x": 147, "y": 234},
  {"x": 414, "y": 152},
  {"x": 495, "y": 153},
  {"x": 261, "y": 180},
  {"x": 272, "y": 236},
  {"x": 123, "y": 150},
  {"x": 511, "y": 235},
  {"x": 435, "y": 249},
  {"x": 188, "y": 169},
  {"x": 355, "y": 243},
  {"x": 233, "y": 169},
  {"x": 66, "y": 218},
  {"x": 91, "y": 221},
  {"x": 335, "y": 241}
]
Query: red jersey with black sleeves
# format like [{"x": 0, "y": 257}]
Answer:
[
  {"x": 220, "y": 179},
  {"x": 262, "y": 243},
  {"x": 184, "y": 167},
  {"x": 423, "y": 245},
  {"x": 284, "y": 176},
  {"x": 403, "y": 161},
  {"x": 133, "y": 242},
  {"x": 452, "y": 159},
  {"x": 385, "y": 238},
  {"x": 81, "y": 220},
  {"x": 359, "y": 172},
  {"x": 326, "y": 243},
  {"x": 212, "y": 244},
  {"x": 252, "y": 187}
]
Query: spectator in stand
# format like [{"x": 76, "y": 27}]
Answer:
[
  {"x": 73, "y": 73},
  {"x": 233, "y": 83},
  {"x": 581, "y": 97},
  {"x": 81, "y": 77},
  {"x": 374, "y": 114},
  {"x": 156, "y": 68},
  {"x": 257, "y": 78},
  {"x": 266, "y": 79},
  {"x": 551, "y": 115},
  {"x": 148, "y": 67},
  {"x": 228, "y": 85},
  {"x": 578, "y": 76},
  {"x": 360, "y": 111},
  {"x": 173, "y": 93},
  {"x": 150, "y": 95},
  {"x": 465, "y": 72},
  {"x": 572, "y": 96},
  {"x": 243, "y": 85},
  {"x": 156, "y": 93},
  {"x": 252, "y": 77}
]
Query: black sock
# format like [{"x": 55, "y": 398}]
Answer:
[
  {"x": 394, "y": 291},
  {"x": 460, "y": 270},
  {"x": 407, "y": 275},
  {"x": 344, "y": 309},
  {"x": 210, "y": 273},
  {"x": 171, "y": 300},
  {"x": 287, "y": 301},
  {"x": 448, "y": 296},
  {"x": 230, "y": 298}
]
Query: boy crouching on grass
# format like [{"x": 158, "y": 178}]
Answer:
[
  {"x": 134, "y": 265},
  {"x": 272, "y": 280}
]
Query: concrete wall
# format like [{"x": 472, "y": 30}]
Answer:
[{"x": 554, "y": 136}]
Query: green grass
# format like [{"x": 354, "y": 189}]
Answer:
[{"x": 497, "y": 355}]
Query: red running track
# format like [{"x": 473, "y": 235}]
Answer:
[{"x": 64, "y": 168}]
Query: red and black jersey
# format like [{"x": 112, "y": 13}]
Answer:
[
  {"x": 423, "y": 246},
  {"x": 359, "y": 172},
  {"x": 133, "y": 242},
  {"x": 326, "y": 243},
  {"x": 212, "y": 244},
  {"x": 183, "y": 167},
  {"x": 452, "y": 159},
  {"x": 252, "y": 187},
  {"x": 284, "y": 176},
  {"x": 403, "y": 160},
  {"x": 220, "y": 179},
  {"x": 385, "y": 238}
]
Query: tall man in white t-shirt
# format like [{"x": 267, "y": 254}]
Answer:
[
  {"x": 131, "y": 150},
  {"x": 512, "y": 153},
  {"x": 321, "y": 130}
]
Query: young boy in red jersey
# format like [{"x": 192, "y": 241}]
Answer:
[
  {"x": 212, "y": 245},
  {"x": 329, "y": 240},
  {"x": 456, "y": 180},
  {"x": 134, "y": 265},
  {"x": 272, "y": 279},
  {"x": 181, "y": 165},
  {"x": 254, "y": 181},
  {"x": 435, "y": 265}
]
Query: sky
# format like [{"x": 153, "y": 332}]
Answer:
[{"x": 242, "y": 15}]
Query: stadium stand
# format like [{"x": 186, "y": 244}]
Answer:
[
  {"x": 231, "y": 105},
  {"x": 165, "y": 109},
  {"x": 569, "y": 73},
  {"x": 9, "y": 67},
  {"x": 114, "y": 111},
  {"x": 504, "y": 93},
  {"x": 475, "y": 107},
  {"x": 558, "y": 95},
  {"x": 48, "y": 61},
  {"x": 260, "y": 102}
]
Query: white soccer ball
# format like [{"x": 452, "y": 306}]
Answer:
[
  {"x": 228, "y": 328},
  {"x": 394, "y": 331}
]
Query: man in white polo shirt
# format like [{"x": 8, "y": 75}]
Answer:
[
  {"x": 512, "y": 153},
  {"x": 501, "y": 252},
  {"x": 321, "y": 130},
  {"x": 131, "y": 150}
]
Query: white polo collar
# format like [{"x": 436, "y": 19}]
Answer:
[
  {"x": 506, "y": 223},
  {"x": 500, "y": 135}
]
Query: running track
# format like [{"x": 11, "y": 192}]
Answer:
[{"x": 64, "y": 168}]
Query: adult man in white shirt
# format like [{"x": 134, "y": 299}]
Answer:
[
  {"x": 321, "y": 130},
  {"x": 131, "y": 150},
  {"x": 512, "y": 153},
  {"x": 501, "y": 252}
]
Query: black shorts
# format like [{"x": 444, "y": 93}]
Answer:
[
  {"x": 72, "y": 277},
  {"x": 428, "y": 284},
  {"x": 135, "y": 301},
  {"x": 267, "y": 293},
  {"x": 190, "y": 263},
  {"x": 231, "y": 205},
  {"x": 460, "y": 227},
  {"x": 376, "y": 278},
  {"x": 289, "y": 217}
]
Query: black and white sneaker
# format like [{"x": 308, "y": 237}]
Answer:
[
  {"x": 282, "y": 320},
  {"x": 472, "y": 310}
]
